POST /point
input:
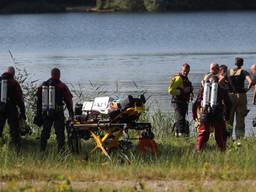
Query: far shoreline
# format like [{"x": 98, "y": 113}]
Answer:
[{"x": 90, "y": 9}]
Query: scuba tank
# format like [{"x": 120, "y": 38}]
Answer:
[
  {"x": 206, "y": 94},
  {"x": 51, "y": 111},
  {"x": 45, "y": 97},
  {"x": 214, "y": 93},
  {"x": 51, "y": 97},
  {"x": 48, "y": 100},
  {"x": 4, "y": 91}
]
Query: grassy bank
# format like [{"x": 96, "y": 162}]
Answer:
[
  {"x": 176, "y": 168},
  {"x": 176, "y": 161}
]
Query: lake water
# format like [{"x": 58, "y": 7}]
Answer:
[{"x": 128, "y": 53}]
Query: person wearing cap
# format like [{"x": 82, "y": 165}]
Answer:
[
  {"x": 52, "y": 112},
  {"x": 181, "y": 90},
  {"x": 237, "y": 93},
  {"x": 9, "y": 105}
]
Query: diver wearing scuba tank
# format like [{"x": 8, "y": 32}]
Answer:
[
  {"x": 213, "y": 98},
  {"x": 51, "y": 96},
  {"x": 200, "y": 102},
  {"x": 11, "y": 98}
]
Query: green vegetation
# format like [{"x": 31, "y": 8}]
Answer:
[
  {"x": 123, "y": 5},
  {"x": 176, "y": 5},
  {"x": 154, "y": 5},
  {"x": 176, "y": 162}
]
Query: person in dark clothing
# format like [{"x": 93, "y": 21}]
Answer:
[
  {"x": 181, "y": 90},
  {"x": 237, "y": 93},
  {"x": 224, "y": 83},
  {"x": 11, "y": 98},
  {"x": 223, "y": 79},
  {"x": 52, "y": 95},
  {"x": 214, "y": 113}
]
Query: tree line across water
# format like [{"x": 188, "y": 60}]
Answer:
[{"x": 41, "y": 6}]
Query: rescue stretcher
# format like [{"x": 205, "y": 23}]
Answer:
[{"x": 108, "y": 122}]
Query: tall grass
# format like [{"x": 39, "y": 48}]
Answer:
[
  {"x": 162, "y": 122},
  {"x": 176, "y": 160}
]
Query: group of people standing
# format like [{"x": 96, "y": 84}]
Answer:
[
  {"x": 220, "y": 99},
  {"x": 51, "y": 97}
]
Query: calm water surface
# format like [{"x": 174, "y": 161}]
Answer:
[{"x": 128, "y": 53}]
